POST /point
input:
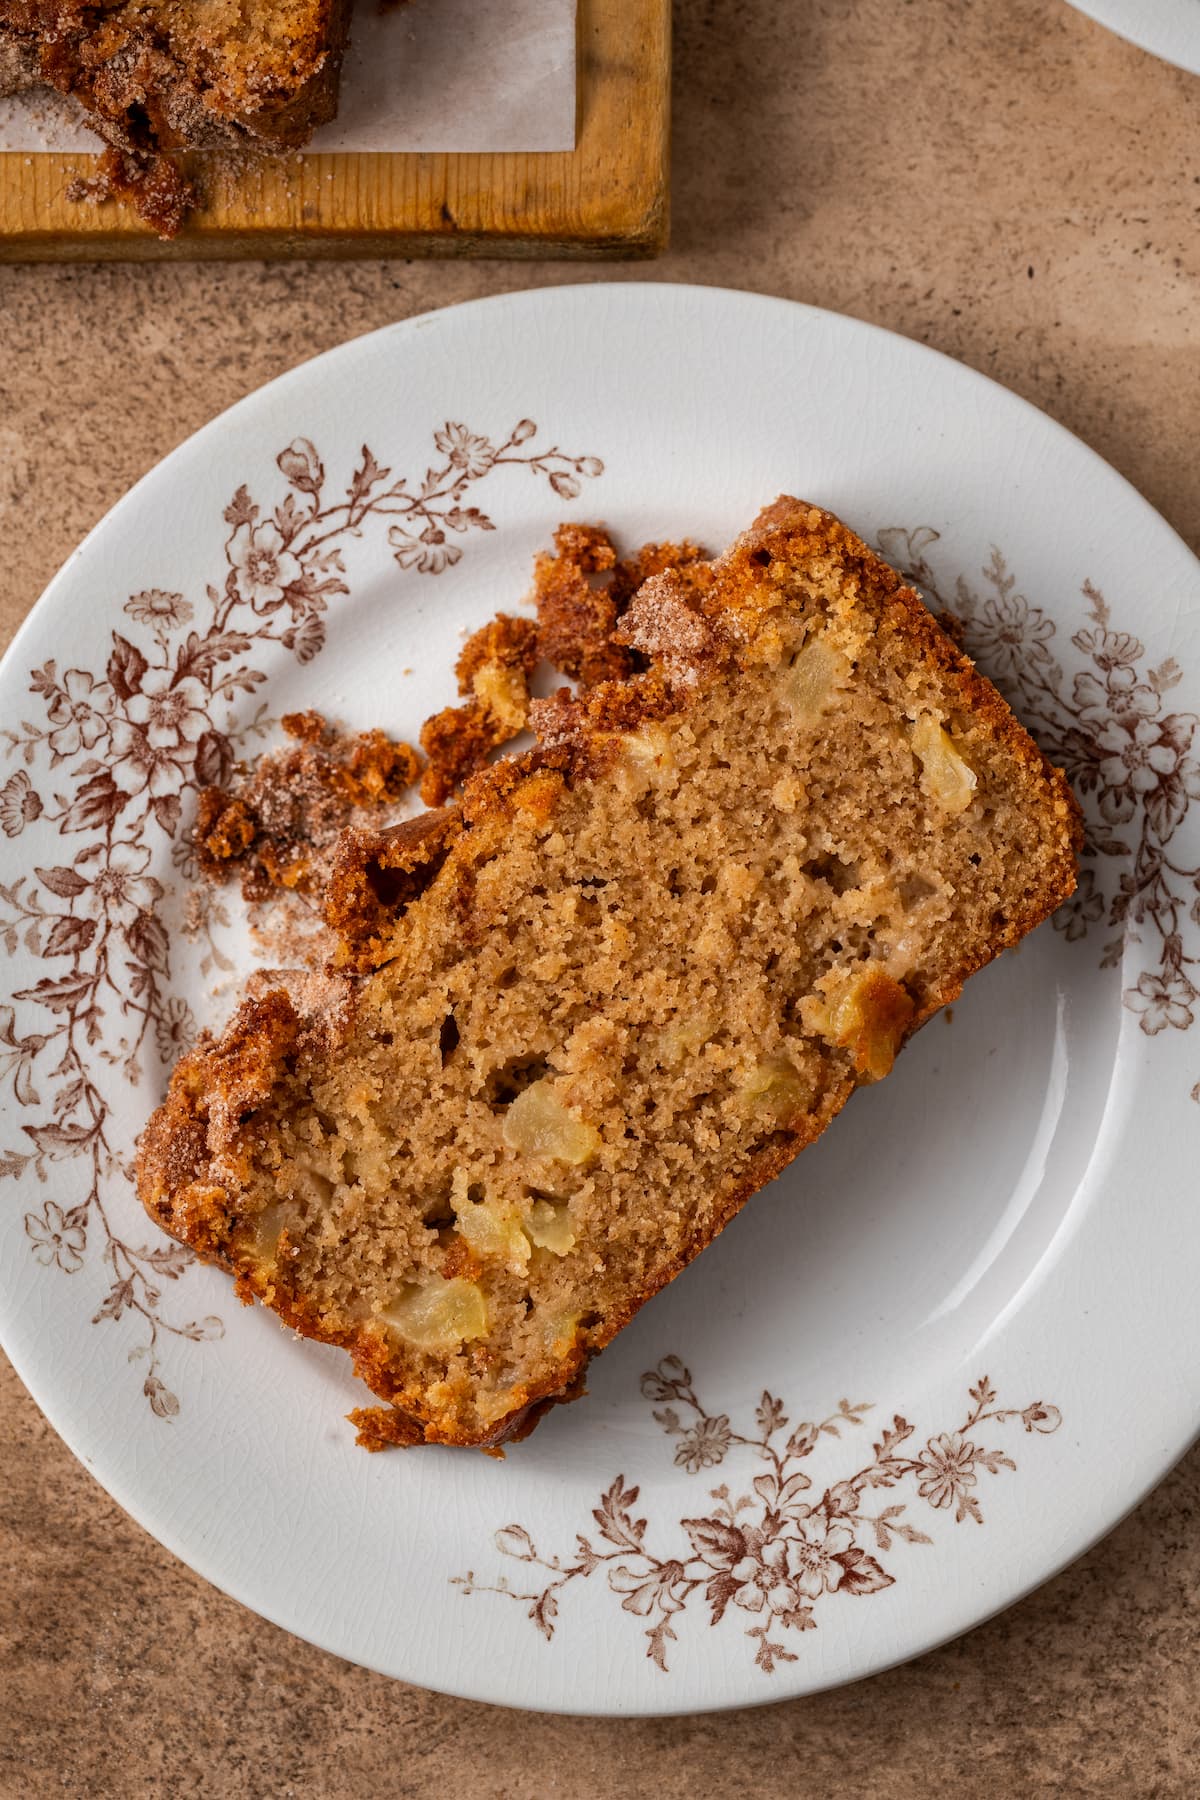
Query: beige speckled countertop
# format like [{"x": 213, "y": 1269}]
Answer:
[{"x": 1005, "y": 181}]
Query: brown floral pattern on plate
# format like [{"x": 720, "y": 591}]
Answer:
[
  {"x": 782, "y": 1553},
  {"x": 109, "y": 763}
]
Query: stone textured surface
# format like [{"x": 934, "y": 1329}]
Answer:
[{"x": 1008, "y": 183}]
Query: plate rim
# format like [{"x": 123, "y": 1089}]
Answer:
[{"x": 1174, "y": 40}]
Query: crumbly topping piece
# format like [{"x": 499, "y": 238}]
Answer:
[
  {"x": 493, "y": 669},
  {"x": 322, "y": 1000},
  {"x": 375, "y": 875},
  {"x": 155, "y": 187},
  {"x": 505, "y": 645},
  {"x": 582, "y": 593},
  {"x": 579, "y": 615},
  {"x": 576, "y": 719},
  {"x": 458, "y": 741},
  {"x": 686, "y": 558},
  {"x": 588, "y": 548},
  {"x": 576, "y": 615},
  {"x": 663, "y": 624},
  {"x": 18, "y": 66},
  {"x": 278, "y": 825}
]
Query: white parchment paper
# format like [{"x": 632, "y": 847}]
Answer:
[{"x": 428, "y": 75}]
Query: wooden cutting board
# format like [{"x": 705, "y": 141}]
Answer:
[{"x": 607, "y": 197}]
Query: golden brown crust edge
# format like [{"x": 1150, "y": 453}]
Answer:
[{"x": 788, "y": 530}]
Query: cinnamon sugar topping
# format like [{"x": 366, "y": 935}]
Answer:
[{"x": 279, "y": 825}]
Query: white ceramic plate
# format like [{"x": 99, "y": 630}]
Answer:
[
  {"x": 921, "y": 1371},
  {"x": 1166, "y": 28}
]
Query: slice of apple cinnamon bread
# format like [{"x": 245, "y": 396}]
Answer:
[{"x": 581, "y": 1016}]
